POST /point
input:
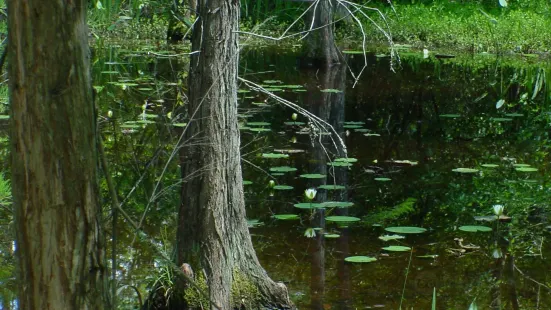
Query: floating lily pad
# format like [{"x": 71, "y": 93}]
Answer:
[
  {"x": 372, "y": 135},
  {"x": 450, "y": 115},
  {"x": 282, "y": 187},
  {"x": 277, "y": 174},
  {"x": 360, "y": 259},
  {"x": 346, "y": 160},
  {"x": 294, "y": 123},
  {"x": 352, "y": 126},
  {"x": 339, "y": 164},
  {"x": 283, "y": 169},
  {"x": 361, "y": 130},
  {"x": 521, "y": 165},
  {"x": 291, "y": 86},
  {"x": 487, "y": 218},
  {"x": 352, "y": 52},
  {"x": 489, "y": 165},
  {"x": 406, "y": 230},
  {"x": 332, "y": 187},
  {"x": 383, "y": 179},
  {"x": 312, "y": 176},
  {"x": 341, "y": 218},
  {"x": 254, "y": 223},
  {"x": 526, "y": 169},
  {"x": 4, "y": 116},
  {"x": 330, "y": 90},
  {"x": 391, "y": 237},
  {"x": 514, "y": 115},
  {"x": 428, "y": 256},
  {"x": 274, "y": 155},
  {"x": 258, "y": 124},
  {"x": 501, "y": 119},
  {"x": 397, "y": 248},
  {"x": 289, "y": 151},
  {"x": 179, "y": 124},
  {"x": 272, "y": 82},
  {"x": 354, "y": 123},
  {"x": 475, "y": 228},
  {"x": 404, "y": 162},
  {"x": 247, "y": 182},
  {"x": 286, "y": 216},
  {"x": 337, "y": 204},
  {"x": 308, "y": 205},
  {"x": 259, "y": 129},
  {"x": 465, "y": 170},
  {"x": 331, "y": 236}
]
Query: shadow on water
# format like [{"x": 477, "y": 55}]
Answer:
[{"x": 405, "y": 134}]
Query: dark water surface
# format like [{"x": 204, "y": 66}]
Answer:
[{"x": 407, "y": 129}]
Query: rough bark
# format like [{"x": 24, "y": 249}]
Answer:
[
  {"x": 212, "y": 230},
  {"x": 319, "y": 45},
  {"x": 57, "y": 217}
]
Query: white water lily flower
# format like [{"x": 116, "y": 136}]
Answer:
[
  {"x": 498, "y": 209},
  {"x": 294, "y": 116},
  {"x": 271, "y": 183},
  {"x": 109, "y": 113},
  {"x": 425, "y": 53},
  {"x": 310, "y": 233},
  {"x": 310, "y": 193}
]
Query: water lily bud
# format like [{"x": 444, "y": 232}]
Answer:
[
  {"x": 271, "y": 183},
  {"x": 294, "y": 117},
  {"x": 310, "y": 193},
  {"x": 310, "y": 233},
  {"x": 169, "y": 115},
  {"x": 109, "y": 113},
  {"x": 294, "y": 140},
  {"x": 498, "y": 209}
]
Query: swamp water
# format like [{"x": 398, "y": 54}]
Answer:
[{"x": 430, "y": 150}]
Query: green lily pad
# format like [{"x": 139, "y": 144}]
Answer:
[
  {"x": 312, "y": 176},
  {"x": 247, "y": 182},
  {"x": 406, "y": 230},
  {"x": 283, "y": 169},
  {"x": 526, "y": 169},
  {"x": 286, "y": 216},
  {"x": 360, "y": 259},
  {"x": 521, "y": 165},
  {"x": 337, "y": 204},
  {"x": 331, "y": 236},
  {"x": 259, "y": 129},
  {"x": 341, "y": 218},
  {"x": 489, "y": 165},
  {"x": 354, "y": 123},
  {"x": 450, "y": 115},
  {"x": 383, "y": 179},
  {"x": 486, "y": 218},
  {"x": 391, "y": 237},
  {"x": 332, "y": 187},
  {"x": 465, "y": 170},
  {"x": 501, "y": 119},
  {"x": 258, "y": 124},
  {"x": 283, "y": 187},
  {"x": 352, "y": 126},
  {"x": 514, "y": 115},
  {"x": 308, "y": 205},
  {"x": 272, "y": 82},
  {"x": 346, "y": 160},
  {"x": 475, "y": 228},
  {"x": 254, "y": 223},
  {"x": 179, "y": 124},
  {"x": 339, "y": 164},
  {"x": 372, "y": 135},
  {"x": 397, "y": 248},
  {"x": 428, "y": 256},
  {"x": 294, "y": 123},
  {"x": 331, "y": 90},
  {"x": 274, "y": 155}
]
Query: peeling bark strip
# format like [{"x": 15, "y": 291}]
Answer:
[
  {"x": 57, "y": 218},
  {"x": 212, "y": 229}
]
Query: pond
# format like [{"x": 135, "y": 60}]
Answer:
[{"x": 409, "y": 167}]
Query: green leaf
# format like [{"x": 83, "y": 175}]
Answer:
[
  {"x": 360, "y": 259},
  {"x": 473, "y": 305},
  {"x": 258, "y": 124},
  {"x": 489, "y": 165},
  {"x": 247, "y": 182},
  {"x": 406, "y": 230},
  {"x": 382, "y": 179},
  {"x": 337, "y": 204},
  {"x": 450, "y": 115},
  {"x": 330, "y": 90},
  {"x": 475, "y": 228},
  {"x": 331, "y": 187},
  {"x": 500, "y": 102},
  {"x": 274, "y": 155},
  {"x": 312, "y": 176},
  {"x": 331, "y": 236},
  {"x": 526, "y": 169},
  {"x": 308, "y": 205},
  {"x": 434, "y": 298},
  {"x": 397, "y": 248},
  {"x": 465, "y": 170},
  {"x": 339, "y": 164},
  {"x": 391, "y": 237},
  {"x": 503, "y": 3},
  {"x": 283, "y": 169},
  {"x": 340, "y": 218},
  {"x": 346, "y": 160},
  {"x": 286, "y": 216},
  {"x": 283, "y": 187}
]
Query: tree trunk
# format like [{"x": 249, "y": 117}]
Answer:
[
  {"x": 319, "y": 45},
  {"x": 57, "y": 218},
  {"x": 212, "y": 228}
]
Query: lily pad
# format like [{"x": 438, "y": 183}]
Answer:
[
  {"x": 312, "y": 176},
  {"x": 406, "y": 229},
  {"x": 341, "y": 218},
  {"x": 428, "y": 256},
  {"x": 521, "y": 165},
  {"x": 274, "y": 155},
  {"x": 294, "y": 123},
  {"x": 332, "y": 187},
  {"x": 346, "y": 160},
  {"x": 247, "y": 182},
  {"x": 489, "y": 165},
  {"x": 372, "y": 135},
  {"x": 397, "y": 248},
  {"x": 286, "y": 216},
  {"x": 501, "y": 119},
  {"x": 526, "y": 169},
  {"x": 330, "y": 90},
  {"x": 354, "y": 123},
  {"x": 391, "y": 237},
  {"x": 283, "y": 169},
  {"x": 331, "y": 236},
  {"x": 383, "y": 179},
  {"x": 360, "y": 259},
  {"x": 339, "y": 164},
  {"x": 475, "y": 228},
  {"x": 352, "y": 126},
  {"x": 337, "y": 204},
  {"x": 308, "y": 205},
  {"x": 487, "y": 218},
  {"x": 465, "y": 170},
  {"x": 450, "y": 115},
  {"x": 283, "y": 187},
  {"x": 259, "y": 129},
  {"x": 258, "y": 124}
]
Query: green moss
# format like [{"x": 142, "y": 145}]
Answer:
[{"x": 243, "y": 291}]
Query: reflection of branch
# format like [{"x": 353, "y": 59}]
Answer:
[{"x": 529, "y": 278}]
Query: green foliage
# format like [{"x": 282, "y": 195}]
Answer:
[
  {"x": 394, "y": 213},
  {"x": 5, "y": 191}
]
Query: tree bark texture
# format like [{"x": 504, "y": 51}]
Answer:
[
  {"x": 53, "y": 139},
  {"x": 212, "y": 230},
  {"x": 320, "y": 45}
]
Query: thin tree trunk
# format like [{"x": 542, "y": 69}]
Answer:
[
  {"x": 60, "y": 246},
  {"x": 212, "y": 230},
  {"x": 319, "y": 45}
]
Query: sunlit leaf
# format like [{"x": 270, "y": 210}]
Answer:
[
  {"x": 360, "y": 259},
  {"x": 406, "y": 230},
  {"x": 475, "y": 228}
]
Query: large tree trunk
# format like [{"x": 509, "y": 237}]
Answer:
[
  {"x": 57, "y": 217},
  {"x": 319, "y": 45},
  {"x": 212, "y": 230}
]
